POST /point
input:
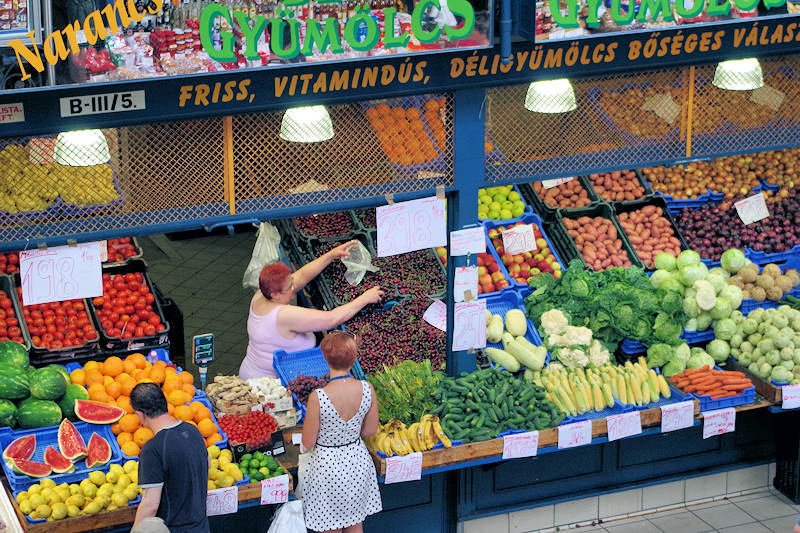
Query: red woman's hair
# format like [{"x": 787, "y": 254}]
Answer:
[
  {"x": 273, "y": 278},
  {"x": 339, "y": 349}
]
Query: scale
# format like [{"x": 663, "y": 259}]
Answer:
[{"x": 203, "y": 354}]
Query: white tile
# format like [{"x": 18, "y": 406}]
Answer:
[
  {"x": 620, "y": 503},
  {"x": 531, "y": 519},
  {"x": 727, "y": 515},
  {"x": 708, "y": 505},
  {"x": 634, "y": 527},
  {"x": 681, "y": 523},
  {"x": 576, "y": 511},
  {"x": 781, "y": 525},
  {"x": 753, "y": 477},
  {"x": 701, "y": 487},
  {"x": 662, "y": 495},
  {"x": 755, "y": 527},
  {"x": 773, "y": 471},
  {"x": 489, "y": 524},
  {"x": 766, "y": 508},
  {"x": 782, "y": 497}
]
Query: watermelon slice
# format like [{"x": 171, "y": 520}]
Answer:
[
  {"x": 21, "y": 448},
  {"x": 57, "y": 462},
  {"x": 99, "y": 451},
  {"x": 30, "y": 468},
  {"x": 97, "y": 413},
  {"x": 70, "y": 441}
]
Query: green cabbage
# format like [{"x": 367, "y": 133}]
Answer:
[
  {"x": 724, "y": 329},
  {"x": 665, "y": 261},
  {"x": 687, "y": 257},
  {"x": 719, "y": 350},
  {"x": 659, "y": 277},
  {"x": 733, "y": 260},
  {"x": 690, "y": 273},
  {"x": 659, "y": 354},
  {"x": 700, "y": 359}
]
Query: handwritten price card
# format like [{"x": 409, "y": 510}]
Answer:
[
  {"x": 719, "y": 422},
  {"x": 466, "y": 279},
  {"x": 752, "y": 209},
  {"x": 275, "y": 490},
  {"x": 404, "y": 468},
  {"x": 577, "y": 434},
  {"x": 549, "y": 184},
  {"x": 791, "y": 396},
  {"x": 469, "y": 325},
  {"x": 61, "y": 273},
  {"x": 624, "y": 425},
  {"x": 521, "y": 445},
  {"x": 677, "y": 416},
  {"x": 436, "y": 315},
  {"x": 467, "y": 241},
  {"x": 222, "y": 501},
  {"x": 410, "y": 226},
  {"x": 519, "y": 239}
]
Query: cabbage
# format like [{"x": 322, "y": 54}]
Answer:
[
  {"x": 691, "y": 325},
  {"x": 757, "y": 314},
  {"x": 717, "y": 280},
  {"x": 707, "y": 299},
  {"x": 780, "y": 373},
  {"x": 773, "y": 357},
  {"x": 691, "y": 308},
  {"x": 745, "y": 358},
  {"x": 779, "y": 321},
  {"x": 733, "y": 260},
  {"x": 717, "y": 271},
  {"x": 782, "y": 340},
  {"x": 787, "y": 353},
  {"x": 675, "y": 366},
  {"x": 724, "y": 329},
  {"x": 746, "y": 347},
  {"x": 659, "y": 277},
  {"x": 664, "y": 261},
  {"x": 659, "y": 354},
  {"x": 690, "y": 273},
  {"x": 796, "y": 356},
  {"x": 682, "y": 352},
  {"x": 700, "y": 359},
  {"x": 672, "y": 284},
  {"x": 764, "y": 370},
  {"x": 719, "y": 350},
  {"x": 736, "y": 315},
  {"x": 736, "y": 340},
  {"x": 722, "y": 309},
  {"x": 749, "y": 325},
  {"x": 703, "y": 321},
  {"x": 788, "y": 365},
  {"x": 687, "y": 257}
]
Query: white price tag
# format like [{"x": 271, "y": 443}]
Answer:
[
  {"x": 403, "y": 468},
  {"x": 677, "y": 416},
  {"x": 791, "y": 396},
  {"x": 12, "y": 113},
  {"x": 521, "y": 445},
  {"x": 275, "y": 490},
  {"x": 467, "y": 241},
  {"x": 103, "y": 251},
  {"x": 61, "y": 273},
  {"x": 624, "y": 425},
  {"x": 576, "y": 434},
  {"x": 410, "y": 226},
  {"x": 466, "y": 279},
  {"x": 469, "y": 325},
  {"x": 752, "y": 209},
  {"x": 719, "y": 422},
  {"x": 519, "y": 239},
  {"x": 436, "y": 315},
  {"x": 222, "y": 501},
  {"x": 549, "y": 184},
  {"x": 297, "y": 438},
  {"x": 94, "y": 104}
]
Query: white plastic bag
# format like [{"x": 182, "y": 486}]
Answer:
[
  {"x": 265, "y": 252},
  {"x": 303, "y": 468},
  {"x": 289, "y": 518},
  {"x": 359, "y": 262}
]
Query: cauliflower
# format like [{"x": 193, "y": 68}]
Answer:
[
  {"x": 554, "y": 322},
  {"x": 598, "y": 355},
  {"x": 572, "y": 357},
  {"x": 572, "y": 335}
]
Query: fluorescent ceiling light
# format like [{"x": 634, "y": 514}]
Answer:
[
  {"x": 81, "y": 148},
  {"x": 552, "y": 96},
  {"x": 739, "y": 75},
  {"x": 308, "y": 124}
]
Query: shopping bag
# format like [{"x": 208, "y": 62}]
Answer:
[
  {"x": 303, "y": 468},
  {"x": 358, "y": 264},
  {"x": 289, "y": 519},
  {"x": 265, "y": 252}
]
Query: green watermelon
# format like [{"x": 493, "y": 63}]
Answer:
[
  {"x": 13, "y": 354},
  {"x": 47, "y": 384},
  {"x": 8, "y": 413},
  {"x": 14, "y": 383},
  {"x": 67, "y": 402},
  {"x": 61, "y": 370},
  {"x": 38, "y": 413}
]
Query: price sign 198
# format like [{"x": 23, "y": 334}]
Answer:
[{"x": 60, "y": 273}]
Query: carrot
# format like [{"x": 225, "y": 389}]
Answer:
[
  {"x": 740, "y": 387},
  {"x": 715, "y": 392},
  {"x": 682, "y": 384},
  {"x": 690, "y": 371},
  {"x": 718, "y": 396},
  {"x": 704, "y": 383},
  {"x": 734, "y": 381},
  {"x": 731, "y": 373},
  {"x": 690, "y": 388}
]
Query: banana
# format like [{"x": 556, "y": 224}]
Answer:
[
  {"x": 384, "y": 446},
  {"x": 412, "y": 437},
  {"x": 437, "y": 428},
  {"x": 397, "y": 443}
]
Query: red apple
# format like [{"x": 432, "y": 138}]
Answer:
[
  {"x": 485, "y": 279},
  {"x": 498, "y": 285},
  {"x": 481, "y": 262},
  {"x": 518, "y": 259},
  {"x": 497, "y": 276},
  {"x": 493, "y": 234},
  {"x": 507, "y": 259},
  {"x": 532, "y": 262},
  {"x": 497, "y": 242},
  {"x": 500, "y": 250},
  {"x": 513, "y": 269},
  {"x": 525, "y": 268},
  {"x": 494, "y": 267},
  {"x": 482, "y": 270},
  {"x": 488, "y": 259},
  {"x": 522, "y": 281},
  {"x": 487, "y": 287},
  {"x": 527, "y": 255}
]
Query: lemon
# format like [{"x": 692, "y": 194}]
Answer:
[
  {"x": 89, "y": 490},
  {"x": 73, "y": 511},
  {"x": 36, "y": 500},
  {"x": 43, "y": 511},
  {"x": 214, "y": 464},
  {"x": 134, "y": 477},
  {"x": 235, "y": 473},
  {"x": 226, "y": 453},
  {"x": 224, "y": 481},
  {"x": 211, "y": 485},
  {"x": 119, "y": 499},
  {"x": 130, "y": 466},
  {"x": 97, "y": 477},
  {"x": 130, "y": 492},
  {"x": 116, "y": 468},
  {"x": 106, "y": 490},
  {"x": 93, "y": 507},
  {"x": 214, "y": 474},
  {"x": 102, "y": 500},
  {"x": 213, "y": 451},
  {"x": 112, "y": 507},
  {"x": 59, "y": 511},
  {"x": 25, "y": 507},
  {"x": 112, "y": 477},
  {"x": 33, "y": 515},
  {"x": 77, "y": 500},
  {"x": 47, "y": 483},
  {"x": 54, "y": 497},
  {"x": 34, "y": 489},
  {"x": 47, "y": 493},
  {"x": 223, "y": 461},
  {"x": 123, "y": 481},
  {"x": 22, "y": 496},
  {"x": 75, "y": 489},
  {"x": 63, "y": 493}
]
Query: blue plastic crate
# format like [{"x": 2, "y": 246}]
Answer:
[
  {"x": 707, "y": 404},
  {"x": 680, "y": 203},
  {"x": 787, "y": 259},
  {"x": 49, "y": 437},
  {"x": 491, "y": 251},
  {"x": 528, "y": 208},
  {"x": 499, "y": 304},
  {"x": 30, "y": 520},
  {"x": 631, "y": 347}
]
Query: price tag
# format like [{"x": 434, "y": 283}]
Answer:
[
  {"x": 521, "y": 445},
  {"x": 467, "y": 241},
  {"x": 403, "y": 468},
  {"x": 549, "y": 184},
  {"x": 410, "y": 226},
  {"x": 519, "y": 239},
  {"x": 624, "y": 425},
  {"x": 752, "y": 209},
  {"x": 791, "y": 396},
  {"x": 469, "y": 325},
  {"x": 12, "y": 113},
  {"x": 677, "y": 416},
  {"x": 275, "y": 490},
  {"x": 466, "y": 279},
  {"x": 61, "y": 273},
  {"x": 222, "y": 501},
  {"x": 577, "y": 434},
  {"x": 719, "y": 422},
  {"x": 103, "y": 251},
  {"x": 436, "y": 315}
]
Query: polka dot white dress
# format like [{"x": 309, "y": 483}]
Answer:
[{"x": 341, "y": 488}]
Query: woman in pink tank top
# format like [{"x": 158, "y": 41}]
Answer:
[{"x": 273, "y": 324}]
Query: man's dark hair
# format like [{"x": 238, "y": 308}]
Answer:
[{"x": 148, "y": 399}]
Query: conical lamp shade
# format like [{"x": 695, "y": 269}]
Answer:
[
  {"x": 739, "y": 75},
  {"x": 81, "y": 148},
  {"x": 552, "y": 96},
  {"x": 310, "y": 124}
]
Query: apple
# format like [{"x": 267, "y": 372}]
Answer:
[
  {"x": 485, "y": 279},
  {"x": 507, "y": 259},
  {"x": 501, "y": 229},
  {"x": 481, "y": 261},
  {"x": 513, "y": 269},
  {"x": 500, "y": 250},
  {"x": 531, "y": 262},
  {"x": 535, "y": 272},
  {"x": 518, "y": 259},
  {"x": 482, "y": 270},
  {"x": 497, "y": 276},
  {"x": 525, "y": 268},
  {"x": 441, "y": 251},
  {"x": 539, "y": 256},
  {"x": 493, "y": 234},
  {"x": 494, "y": 267},
  {"x": 487, "y": 287},
  {"x": 500, "y": 284},
  {"x": 521, "y": 281},
  {"x": 527, "y": 255},
  {"x": 497, "y": 242},
  {"x": 488, "y": 259}
]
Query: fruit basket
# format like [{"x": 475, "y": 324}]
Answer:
[
  {"x": 12, "y": 311},
  {"x": 520, "y": 196},
  {"x": 630, "y": 207},
  {"x": 69, "y": 209},
  {"x": 498, "y": 279},
  {"x": 120, "y": 251},
  {"x": 547, "y": 211},
  {"x": 679, "y": 203},
  {"x": 15, "y": 155},
  {"x": 593, "y": 182},
  {"x": 501, "y": 303}
]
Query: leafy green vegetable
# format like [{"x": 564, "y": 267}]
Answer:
[
  {"x": 406, "y": 391},
  {"x": 659, "y": 355}
]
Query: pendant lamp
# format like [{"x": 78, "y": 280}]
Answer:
[
  {"x": 309, "y": 124},
  {"x": 81, "y": 148},
  {"x": 552, "y": 96},
  {"x": 739, "y": 75}
]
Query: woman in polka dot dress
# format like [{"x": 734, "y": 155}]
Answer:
[{"x": 341, "y": 488}]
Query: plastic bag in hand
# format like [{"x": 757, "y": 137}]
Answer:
[
  {"x": 359, "y": 262},
  {"x": 289, "y": 519},
  {"x": 265, "y": 252}
]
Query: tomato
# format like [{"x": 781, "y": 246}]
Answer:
[
  {"x": 36, "y": 340},
  {"x": 6, "y": 303},
  {"x": 149, "y": 330},
  {"x": 129, "y": 310},
  {"x": 98, "y": 301},
  {"x": 139, "y": 331},
  {"x": 154, "y": 320},
  {"x": 60, "y": 311},
  {"x": 56, "y": 344},
  {"x": 106, "y": 277},
  {"x": 13, "y": 259},
  {"x": 14, "y": 331}
]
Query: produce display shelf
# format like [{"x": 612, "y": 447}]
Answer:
[
  {"x": 499, "y": 304},
  {"x": 7, "y": 285},
  {"x": 648, "y": 191},
  {"x": 68, "y": 209},
  {"x": 768, "y": 389},
  {"x": 437, "y": 446},
  {"x": 680, "y": 203},
  {"x": 30, "y": 520},
  {"x": 139, "y": 255},
  {"x": 548, "y": 212},
  {"x": 523, "y": 198},
  {"x": 708, "y": 404}
]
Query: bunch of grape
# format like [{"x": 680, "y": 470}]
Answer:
[{"x": 302, "y": 386}]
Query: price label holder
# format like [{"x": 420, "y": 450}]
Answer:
[
  {"x": 436, "y": 315},
  {"x": 277, "y": 446},
  {"x": 519, "y": 445},
  {"x": 222, "y": 501},
  {"x": 275, "y": 490},
  {"x": 752, "y": 209},
  {"x": 467, "y": 241},
  {"x": 61, "y": 273},
  {"x": 791, "y": 396},
  {"x": 549, "y": 184},
  {"x": 402, "y": 468},
  {"x": 519, "y": 239},
  {"x": 203, "y": 349},
  {"x": 575, "y": 434},
  {"x": 624, "y": 425},
  {"x": 410, "y": 226},
  {"x": 719, "y": 422},
  {"x": 677, "y": 416},
  {"x": 466, "y": 280},
  {"x": 469, "y": 325}
]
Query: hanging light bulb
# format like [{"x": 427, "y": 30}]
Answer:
[
  {"x": 552, "y": 96},
  {"x": 308, "y": 124},
  {"x": 739, "y": 75},
  {"x": 81, "y": 148}
]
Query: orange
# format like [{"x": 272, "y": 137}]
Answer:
[
  {"x": 213, "y": 439},
  {"x": 206, "y": 427},
  {"x": 129, "y": 423},
  {"x": 196, "y": 405},
  {"x": 99, "y": 395},
  {"x": 160, "y": 364},
  {"x": 115, "y": 429},
  {"x": 96, "y": 388},
  {"x": 131, "y": 449},
  {"x": 91, "y": 365},
  {"x": 113, "y": 366},
  {"x": 202, "y": 414},
  {"x": 78, "y": 376},
  {"x": 107, "y": 380},
  {"x": 177, "y": 398},
  {"x": 93, "y": 376},
  {"x": 189, "y": 390},
  {"x": 124, "y": 402},
  {"x": 145, "y": 380},
  {"x": 141, "y": 436},
  {"x": 140, "y": 374},
  {"x": 124, "y": 437},
  {"x": 128, "y": 366},
  {"x": 170, "y": 409},
  {"x": 128, "y": 386},
  {"x": 123, "y": 377},
  {"x": 184, "y": 412},
  {"x": 186, "y": 377},
  {"x": 137, "y": 359},
  {"x": 157, "y": 375},
  {"x": 114, "y": 389},
  {"x": 170, "y": 386}
]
